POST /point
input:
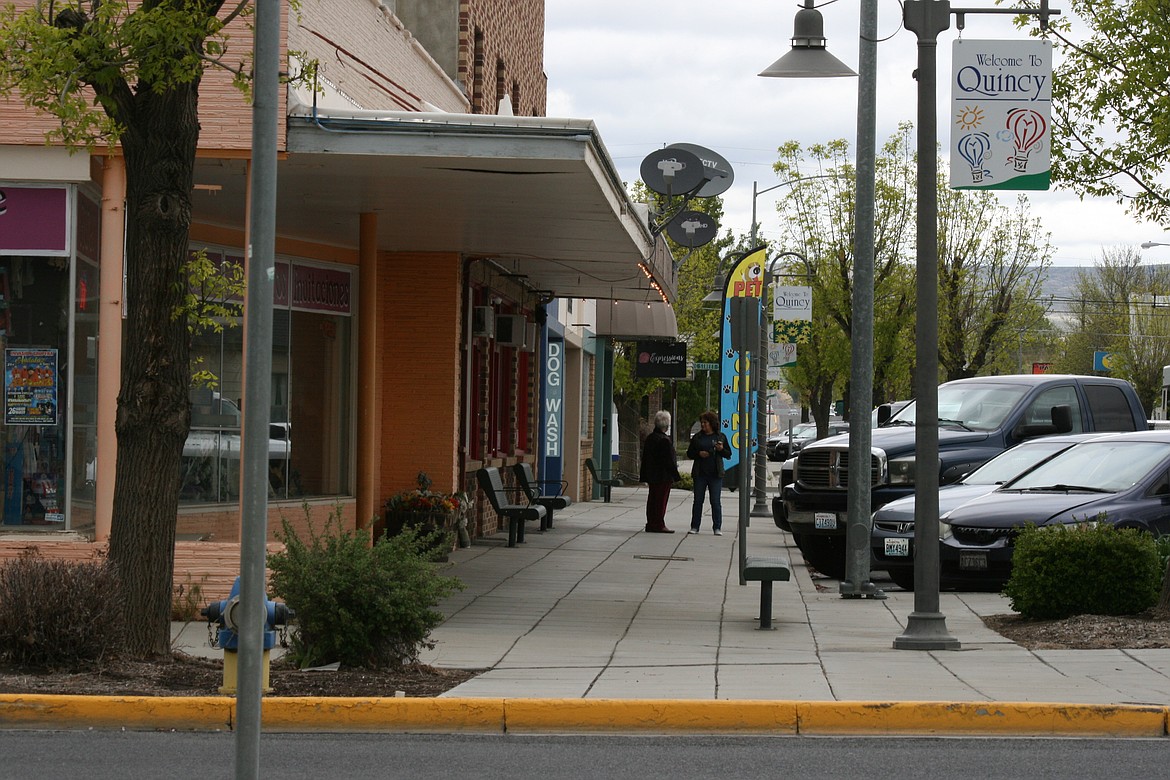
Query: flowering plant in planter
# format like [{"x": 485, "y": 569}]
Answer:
[{"x": 426, "y": 511}]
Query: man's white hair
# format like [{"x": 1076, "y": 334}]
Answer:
[{"x": 662, "y": 421}]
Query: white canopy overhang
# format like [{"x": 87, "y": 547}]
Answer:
[{"x": 538, "y": 196}]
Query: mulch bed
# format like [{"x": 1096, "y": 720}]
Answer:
[{"x": 183, "y": 675}]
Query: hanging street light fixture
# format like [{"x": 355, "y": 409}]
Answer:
[{"x": 809, "y": 59}]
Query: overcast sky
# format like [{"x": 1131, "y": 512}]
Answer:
[{"x": 652, "y": 73}]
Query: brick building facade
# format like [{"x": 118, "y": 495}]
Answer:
[{"x": 416, "y": 221}]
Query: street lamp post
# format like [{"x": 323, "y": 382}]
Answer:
[
  {"x": 760, "y": 374},
  {"x": 859, "y": 521},
  {"x": 807, "y": 42},
  {"x": 1145, "y": 244},
  {"x": 257, "y": 387},
  {"x": 926, "y": 626}
]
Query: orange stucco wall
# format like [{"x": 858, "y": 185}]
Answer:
[{"x": 420, "y": 326}]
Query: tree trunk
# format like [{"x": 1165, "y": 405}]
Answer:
[{"x": 153, "y": 407}]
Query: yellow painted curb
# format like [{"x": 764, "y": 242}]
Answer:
[
  {"x": 197, "y": 713},
  {"x": 296, "y": 713},
  {"x": 981, "y": 718},
  {"x": 663, "y": 716},
  {"x": 655, "y": 715}
]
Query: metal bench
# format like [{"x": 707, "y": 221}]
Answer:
[
  {"x": 766, "y": 571},
  {"x": 498, "y": 496},
  {"x": 538, "y": 494},
  {"x": 606, "y": 482}
]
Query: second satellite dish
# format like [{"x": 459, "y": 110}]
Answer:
[
  {"x": 716, "y": 169},
  {"x": 692, "y": 229}
]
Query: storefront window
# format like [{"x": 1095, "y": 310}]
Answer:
[
  {"x": 84, "y": 368},
  {"x": 34, "y": 323},
  {"x": 309, "y": 440}
]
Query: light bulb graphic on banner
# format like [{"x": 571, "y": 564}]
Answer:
[
  {"x": 974, "y": 148},
  {"x": 1027, "y": 128}
]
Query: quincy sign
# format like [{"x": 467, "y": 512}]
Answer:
[{"x": 1001, "y": 108}]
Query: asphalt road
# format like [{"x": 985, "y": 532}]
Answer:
[{"x": 106, "y": 755}]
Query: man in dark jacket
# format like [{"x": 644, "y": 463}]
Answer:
[{"x": 659, "y": 471}]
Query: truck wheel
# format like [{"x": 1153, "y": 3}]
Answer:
[
  {"x": 903, "y": 578},
  {"x": 826, "y": 554},
  {"x": 779, "y": 514}
]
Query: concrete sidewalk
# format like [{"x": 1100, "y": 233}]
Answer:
[
  {"x": 596, "y": 625},
  {"x": 598, "y": 609}
]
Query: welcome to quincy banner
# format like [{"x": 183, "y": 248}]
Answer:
[
  {"x": 745, "y": 279},
  {"x": 1001, "y": 101},
  {"x": 791, "y": 322}
]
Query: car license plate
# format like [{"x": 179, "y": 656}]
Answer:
[
  {"x": 897, "y": 548},
  {"x": 972, "y": 560},
  {"x": 825, "y": 520}
]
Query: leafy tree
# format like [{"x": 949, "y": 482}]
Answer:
[
  {"x": 1111, "y": 104},
  {"x": 1121, "y": 308},
  {"x": 817, "y": 218},
  {"x": 991, "y": 265},
  {"x": 129, "y": 73},
  {"x": 211, "y": 305}
]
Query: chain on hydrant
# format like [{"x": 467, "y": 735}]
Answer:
[{"x": 225, "y": 615}]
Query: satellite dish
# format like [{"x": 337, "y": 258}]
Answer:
[
  {"x": 672, "y": 171},
  {"x": 717, "y": 170},
  {"x": 692, "y": 229}
]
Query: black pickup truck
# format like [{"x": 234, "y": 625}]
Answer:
[{"x": 978, "y": 419}]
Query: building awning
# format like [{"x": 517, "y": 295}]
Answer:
[
  {"x": 629, "y": 321},
  {"x": 538, "y": 196}
]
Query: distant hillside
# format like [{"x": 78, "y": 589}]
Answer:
[
  {"x": 1059, "y": 288},
  {"x": 1061, "y": 281}
]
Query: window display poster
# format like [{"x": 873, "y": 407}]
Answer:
[{"x": 30, "y": 386}]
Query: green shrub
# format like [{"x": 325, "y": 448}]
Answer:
[
  {"x": 1162, "y": 544},
  {"x": 1090, "y": 569},
  {"x": 59, "y": 613},
  {"x": 685, "y": 482},
  {"x": 362, "y": 605},
  {"x": 187, "y": 599}
]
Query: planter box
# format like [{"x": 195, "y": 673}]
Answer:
[{"x": 424, "y": 522}]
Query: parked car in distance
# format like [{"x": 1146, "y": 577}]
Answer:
[
  {"x": 1122, "y": 479},
  {"x": 209, "y": 469},
  {"x": 777, "y": 447},
  {"x": 780, "y": 448},
  {"x": 779, "y": 513},
  {"x": 892, "y": 539}
]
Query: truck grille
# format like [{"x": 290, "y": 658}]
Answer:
[
  {"x": 983, "y": 536},
  {"x": 829, "y": 468}
]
